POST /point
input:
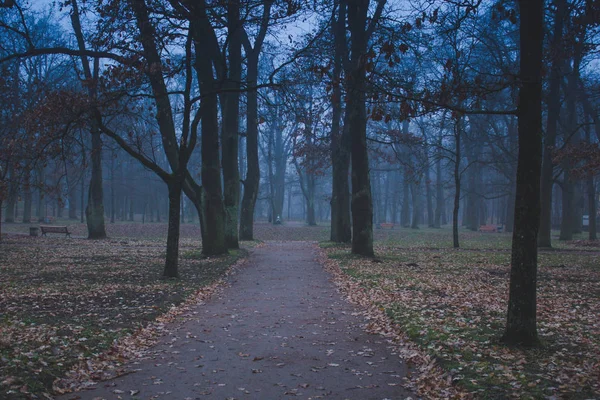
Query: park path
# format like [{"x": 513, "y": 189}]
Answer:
[{"x": 279, "y": 330}]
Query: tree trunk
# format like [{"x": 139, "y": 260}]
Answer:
[
  {"x": 405, "y": 211},
  {"x": 95, "y": 208},
  {"x": 94, "y": 211},
  {"x": 394, "y": 202},
  {"x": 414, "y": 189},
  {"x": 311, "y": 218},
  {"x": 362, "y": 203},
  {"x": 521, "y": 321},
  {"x": 213, "y": 242},
  {"x": 251, "y": 183},
  {"x": 457, "y": 178},
  {"x": 131, "y": 210},
  {"x": 554, "y": 102},
  {"x": 439, "y": 194},
  {"x": 230, "y": 138},
  {"x": 172, "y": 259},
  {"x": 11, "y": 200},
  {"x": 578, "y": 205},
  {"x": 341, "y": 229},
  {"x": 72, "y": 200},
  {"x": 429, "y": 194},
  {"x": 591, "y": 192},
  {"x": 113, "y": 202},
  {"x": 27, "y": 196},
  {"x": 59, "y": 201},
  {"x": 41, "y": 179}
]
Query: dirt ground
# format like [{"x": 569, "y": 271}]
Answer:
[{"x": 279, "y": 329}]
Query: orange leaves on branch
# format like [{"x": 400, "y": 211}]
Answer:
[{"x": 583, "y": 157}]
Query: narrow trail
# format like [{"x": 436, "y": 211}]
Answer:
[{"x": 279, "y": 330}]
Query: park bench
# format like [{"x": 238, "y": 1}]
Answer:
[
  {"x": 488, "y": 228},
  {"x": 54, "y": 229},
  {"x": 386, "y": 225}
]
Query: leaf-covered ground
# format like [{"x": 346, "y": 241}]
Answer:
[
  {"x": 448, "y": 309},
  {"x": 66, "y": 301},
  {"x": 63, "y": 302}
]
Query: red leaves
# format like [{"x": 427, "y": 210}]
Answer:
[{"x": 584, "y": 158}]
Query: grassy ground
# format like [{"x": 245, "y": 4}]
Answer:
[
  {"x": 63, "y": 301},
  {"x": 452, "y": 305}
]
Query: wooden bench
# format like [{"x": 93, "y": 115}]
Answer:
[
  {"x": 54, "y": 229},
  {"x": 488, "y": 228},
  {"x": 387, "y": 225}
]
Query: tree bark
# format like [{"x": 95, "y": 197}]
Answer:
[
  {"x": 252, "y": 180},
  {"x": 41, "y": 182},
  {"x": 72, "y": 199},
  {"x": 341, "y": 229},
  {"x": 362, "y": 202},
  {"x": 94, "y": 211},
  {"x": 547, "y": 180},
  {"x": 172, "y": 258},
  {"x": 405, "y": 210},
  {"x": 113, "y": 199},
  {"x": 95, "y": 208},
  {"x": 416, "y": 210},
  {"x": 13, "y": 188},
  {"x": 429, "y": 194},
  {"x": 213, "y": 239},
  {"x": 591, "y": 191},
  {"x": 439, "y": 193},
  {"x": 230, "y": 138},
  {"x": 27, "y": 196},
  {"x": 569, "y": 203},
  {"x": 457, "y": 181},
  {"x": 521, "y": 321}
]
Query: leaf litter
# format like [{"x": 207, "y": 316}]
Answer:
[
  {"x": 73, "y": 311},
  {"x": 445, "y": 311}
]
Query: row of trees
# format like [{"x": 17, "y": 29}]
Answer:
[{"x": 428, "y": 103}]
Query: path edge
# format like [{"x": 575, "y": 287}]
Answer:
[{"x": 424, "y": 377}]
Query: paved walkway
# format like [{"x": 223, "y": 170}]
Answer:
[{"x": 280, "y": 330}]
